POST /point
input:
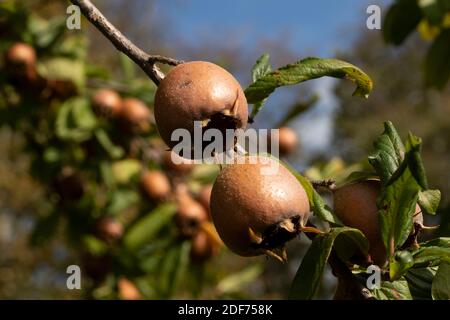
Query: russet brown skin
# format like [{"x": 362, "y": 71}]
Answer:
[
  {"x": 197, "y": 91},
  {"x": 190, "y": 215},
  {"x": 355, "y": 204},
  {"x": 135, "y": 115},
  {"x": 155, "y": 185},
  {"x": 288, "y": 140},
  {"x": 20, "y": 61},
  {"x": 106, "y": 103},
  {"x": 109, "y": 229},
  {"x": 242, "y": 198},
  {"x": 203, "y": 247},
  {"x": 127, "y": 290}
]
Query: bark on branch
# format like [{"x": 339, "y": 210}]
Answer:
[{"x": 146, "y": 61}]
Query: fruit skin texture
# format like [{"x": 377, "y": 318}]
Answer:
[
  {"x": 197, "y": 91},
  {"x": 135, "y": 115},
  {"x": 243, "y": 198},
  {"x": 155, "y": 185},
  {"x": 355, "y": 204},
  {"x": 106, "y": 103}
]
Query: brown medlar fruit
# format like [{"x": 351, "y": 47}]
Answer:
[
  {"x": 109, "y": 229},
  {"x": 69, "y": 185},
  {"x": 127, "y": 290},
  {"x": 203, "y": 247},
  {"x": 287, "y": 140},
  {"x": 355, "y": 205},
  {"x": 199, "y": 91},
  {"x": 155, "y": 185},
  {"x": 106, "y": 103},
  {"x": 20, "y": 61},
  {"x": 135, "y": 115},
  {"x": 190, "y": 215},
  {"x": 258, "y": 206}
]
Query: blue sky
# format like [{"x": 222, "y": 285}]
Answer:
[
  {"x": 320, "y": 25},
  {"x": 314, "y": 27}
]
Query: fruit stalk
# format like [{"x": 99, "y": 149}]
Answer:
[{"x": 145, "y": 61}]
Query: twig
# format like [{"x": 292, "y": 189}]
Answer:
[
  {"x": 327, "y": 184},
  {"x": 145, "y": 61}
]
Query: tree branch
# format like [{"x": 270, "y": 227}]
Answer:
[{"x": 123, "y": 44}]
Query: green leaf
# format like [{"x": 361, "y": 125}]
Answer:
[
  {"x": 309, "y": 274},
  {"x": 239, "y": 280},
  {"x": 396, "y": 290},
  {"x": 75, "y": 120},
  {"x": 401, "y": 19},
  {"x": 440, "y": 289},
  {"x": 399, "y": 264},
  {"x": 174, "y": 267},
  {"x": 415, "y": 164},
  {"x": 64, "y": 69},
  {"x": 260, "y": 69},
  {"x": 114, "y": 152},
  {"x": 438, "y": 242},
  {"x": 181, "y": 266},
  {"x": 124, "y": 170},
  {"x": 396, "y": 209},
  {"x": 128, "y": 67},
  {"x": 297, "y": 109},
  {"x": 434, "y": 11},
  {"x": 94, "y": 245},
  {"x": 420, "y": 281},
  {"x": 389, "y": 153},
  {"x": 307, "y": 69},
  {"x": 44, "y": 229},
  {"x": 430, "y": 256},
  {"x": 429, "y": 200},
  {"x": 146, "y": 228},
  {"x": 437, "y": 63},
  {"x": 121, "y": 200}
]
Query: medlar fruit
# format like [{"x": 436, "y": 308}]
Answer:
[
  {"x": 135, "y": 115},
  {"x": 257, "y": 212},
  {"x": 355, "y": 205},
  {"x": 155, "y": 185},
  {"x": 287, "y": 140},
  {"x": 199, "y": 91},
  {"x": 69, "y": 185},
  {"x": 190, "y": 215},
  {"x": 106, "y": 103},
  {"x": 20, "y": 61},
  {"x": 127, "y": 290},
  {"x": 109, "y": 229},
  {"x": 203, "y": 247}
]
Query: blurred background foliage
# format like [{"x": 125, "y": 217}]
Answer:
[{"x": 70, "y": 187}]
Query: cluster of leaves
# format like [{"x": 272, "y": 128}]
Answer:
[{"x": 432, "y": 19}]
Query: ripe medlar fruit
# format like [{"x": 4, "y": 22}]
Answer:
[
  {"x": 287, "y": 140},
  {"x": 20, "y": 61},
  {"x": 127, "y": 290},
  {"x": 109, "y": 229},
  {"x": 69, "y": 185},
  {"x": 135, "y": 115},
  {"x": 355, "y": 205},
  {"x": 203, "y": 247},
  {"x": 257, "y": 212},
  {"x": 190, "y": 214},
  {"x": 199, "y": 91},
  {"x": 106, "y": 103},
  {"x": 155, "y": 185}
]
